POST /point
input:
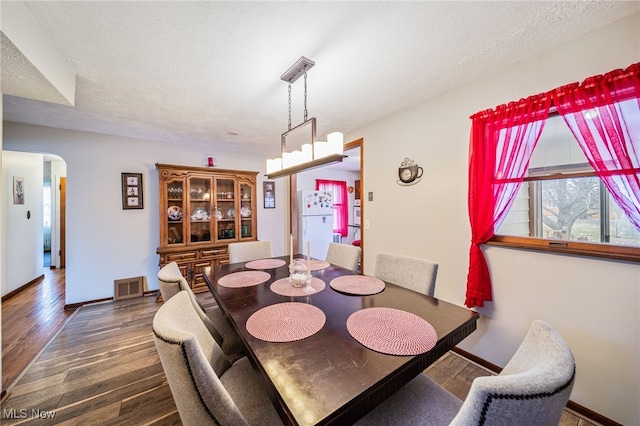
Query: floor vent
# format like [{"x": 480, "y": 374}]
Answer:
[{"x": 128, "y": 288}]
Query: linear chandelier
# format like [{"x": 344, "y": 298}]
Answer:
[{"x": 306, "y": 153}]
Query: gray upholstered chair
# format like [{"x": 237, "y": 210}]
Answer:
[
  {"x": 344, "y": 255},
  {"x": 252, "y": 250},
  {"x": 409, "y": 272},
  {"x": 171, "y": 282},
  {"x": 532, "y": 389},
  {"x": 207, "y": 388},
  {"x": 169, "y": 277}
]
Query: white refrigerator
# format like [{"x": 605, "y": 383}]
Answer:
[{"x": 315, "y": 222}]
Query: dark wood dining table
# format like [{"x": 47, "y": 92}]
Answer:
[{"x": 329, "y": 377}]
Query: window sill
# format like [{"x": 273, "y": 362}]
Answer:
[{"x": 607, "y": 251}]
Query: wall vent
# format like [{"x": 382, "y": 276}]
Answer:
[{"x": 128, "y": 288}]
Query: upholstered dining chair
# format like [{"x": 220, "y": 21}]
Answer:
[
  {"x": 171, "y": 282},
  {"x": 344, "y": 255},
  {"x": 207, "y": 388},
  {"x": 251, "y": 250},
  {"x": 532, "y": 389},
  {"x": 409, "y": 272}
]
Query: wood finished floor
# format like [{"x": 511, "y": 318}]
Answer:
[
  {"x": 103, "y": 369},
  {"x": 29, "y": 321}
]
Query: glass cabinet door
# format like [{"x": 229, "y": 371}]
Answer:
[
  {"x": 199, "y": 209},
  {"x": 247, "y": 212},
  {"x": 174, "y": 209},
  {"x": 225, "y": 210}
]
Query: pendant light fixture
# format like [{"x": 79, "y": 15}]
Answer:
[{"x": 303, "y": 152}]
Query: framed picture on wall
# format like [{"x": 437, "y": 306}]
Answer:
[
  {"x": 18, "y": 190},
  {"x": 132, "y": 191},
  {"x": 269, "y": 191}
]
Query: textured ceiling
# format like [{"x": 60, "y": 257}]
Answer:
[
  {"x": 194, "y": 72},
  {"x": 20, "y": 78}
]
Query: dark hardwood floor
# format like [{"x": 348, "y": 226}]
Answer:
[
  {"x": 102, "y": 368},
  {"x": 29, "y": 320}
]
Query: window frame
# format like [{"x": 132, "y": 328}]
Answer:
[{"x": 579, "y": 248}]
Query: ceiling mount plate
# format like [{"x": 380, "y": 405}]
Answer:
[{"x": 301, "y": 66}]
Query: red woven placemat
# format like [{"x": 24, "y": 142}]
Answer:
[
  {"x": 283, "y": 287},
  {"x": 316, "y": 265},
  {"x": 357, "y": 284},
  {"x": 265, "y": 264},
  {"x": 286, "y": 322},
  {"x": 244, "y": 279},
  {"x": 392, "y": 331}
]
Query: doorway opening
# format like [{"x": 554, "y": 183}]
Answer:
[
  {"x": 53, "y": 211},
  {"x": 351, "y": 171}
]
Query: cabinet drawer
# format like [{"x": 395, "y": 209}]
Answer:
[
  {"x": 214, "y": 252},
  {"x": 184, "y": 269},
  {"x": 197, "y": 267},
  {"x": 199, "y": 284},
  {"x": 176, "y": 257}
]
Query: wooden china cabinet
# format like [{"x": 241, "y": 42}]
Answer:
[{"x": 202, "y": 210}]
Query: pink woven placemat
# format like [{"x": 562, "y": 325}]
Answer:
[
  {"x": 283, "y": 287},
  {"x": 392, "y": 331},
  {"x": 316, "y": 265},
  {"x": 357, "y": 284},
  {"x": 286, "y": 322},
  {"x": 244, "y": 279},
  {"x": 265, "y": 264}
]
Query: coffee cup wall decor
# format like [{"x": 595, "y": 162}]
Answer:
[{"x": 409, "y": 172}]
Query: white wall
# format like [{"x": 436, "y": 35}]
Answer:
[
  {"x": 103, "y": 241},
  {"x": 594, "y": 303},
  {"x": 307, "y": 180},
  {"x": 21, "y": 235}
]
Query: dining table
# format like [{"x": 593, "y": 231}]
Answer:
[{"x": 316, "y": 347}]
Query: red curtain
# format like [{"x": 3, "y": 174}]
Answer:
[
  {"x": 340, "y": 203},
  {"x": 603, "y": 114},
  {"x": 501, "y": 144}
]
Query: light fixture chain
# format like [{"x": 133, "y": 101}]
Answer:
[
  {"x": 289, "y": 106},
  {"x": 305, "y": 94}
]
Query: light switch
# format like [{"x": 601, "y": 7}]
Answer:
[
  {"x": 366, "y": 224},
  {"x": 370, "y": 195}
]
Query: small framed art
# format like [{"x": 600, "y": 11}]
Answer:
[
  {"x": 269, "y": 190},
  {"x": 18, "y": 190},
  {"x": 132, "y": 191}
]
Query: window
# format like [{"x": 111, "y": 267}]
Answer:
[
  {"x": 563, "y": 199},
  {"x": 340, "y": 203},
  {"x": 542, "y": 192}
]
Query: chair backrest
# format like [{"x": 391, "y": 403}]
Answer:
[
  {"x": 171, "y": 282},
  {"x": 409, "y": 272},
  {"x": 252, "y": 250},
  {"x": 532, "y": 389},
  {"x": 344, "y": 255},
  {"x": 193, "y": 363}
]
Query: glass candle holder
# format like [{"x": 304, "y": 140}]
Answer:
[{"x": 298, "y": 274}]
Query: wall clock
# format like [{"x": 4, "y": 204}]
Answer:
[{"x": 409, "y": 172}]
